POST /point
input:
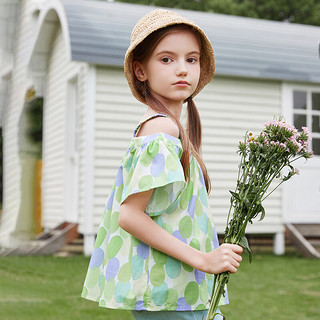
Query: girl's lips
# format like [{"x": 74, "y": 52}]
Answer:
[{"x": 181, "y": 83}]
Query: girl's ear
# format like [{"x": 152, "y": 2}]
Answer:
[{"x": 139, "y": 71}]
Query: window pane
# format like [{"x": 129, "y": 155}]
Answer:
[
  {"x": 316, "y": 146},
  {"x": 300, "y": 120},
  {"x": 315, "y": 101},
  {"x": 299, "y": 100},
  {"x": 315, "y": 124}
]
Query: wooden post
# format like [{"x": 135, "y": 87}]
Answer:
[{"x": 37, "y": 198}]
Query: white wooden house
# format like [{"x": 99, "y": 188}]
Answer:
[{"x": 71, "y": 52}]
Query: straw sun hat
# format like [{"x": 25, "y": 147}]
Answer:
[{"x": 154, "y": 21}]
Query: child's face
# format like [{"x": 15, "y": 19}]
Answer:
[{"x": 173, "y": 69}]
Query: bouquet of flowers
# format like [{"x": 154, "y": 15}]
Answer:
[{"x": 263, "y": 158}]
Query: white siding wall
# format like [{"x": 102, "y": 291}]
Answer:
[
  {"x": 8, "y": 28},
  {"x": 55, "y": 134},
  {"x": 9, "y": 11},
  {"x": 116, "y": 116},
  {"x": 11, "y": 161},
  {"x": 228, "y": 108}
]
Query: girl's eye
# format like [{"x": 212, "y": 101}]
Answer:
[
  {"x": 192, "y": 60},
  {"x": 166, "y": 60}
]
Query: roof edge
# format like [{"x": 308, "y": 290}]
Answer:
[{"x": 45, "y": 17}]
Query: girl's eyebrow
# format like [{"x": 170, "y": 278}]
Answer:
[{"x": 172, "y": 53}]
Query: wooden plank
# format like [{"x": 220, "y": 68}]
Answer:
[
  {"x": 301, "y": 243},
  {"x": 308, "y": 230}
]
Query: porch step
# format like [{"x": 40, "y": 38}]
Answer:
[
  {"x": 48, "y": 242},
  {"x": 73, "y": 248},
  {"x": 315, "y": 243},
  {"x": 53, "y": 240},
  {"x": 306, "y": 238},
  {"x": 4, "y": 252},
  {"x": 309, "y": 230}
]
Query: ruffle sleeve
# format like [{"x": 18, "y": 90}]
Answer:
[{"x": 153, "y": 162}]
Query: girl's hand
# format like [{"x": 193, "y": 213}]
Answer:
[{"x": 224, "y": 258}]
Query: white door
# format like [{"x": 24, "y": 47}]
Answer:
[
  {"x": 72, "y": 147},
  {"x": 301, "y": 194}
]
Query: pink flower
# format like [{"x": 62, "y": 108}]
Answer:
[{"x": 305, "y": 136}]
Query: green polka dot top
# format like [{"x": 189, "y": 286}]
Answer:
[{"x": 125, "y": 273}]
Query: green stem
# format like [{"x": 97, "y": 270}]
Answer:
[
  {"x": 220, "y": 282},
  {"x": 272, "y": 191},
  {"x": 262, "y": 190},
  {"x": 296, "y": 158}
]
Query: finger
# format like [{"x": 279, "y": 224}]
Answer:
[
  {"x": 234, "y": 255},
  {"x": 236, "y": 248},
  {"x": 237, "y": 257},
  {"x": 231, "y": 265},
  {"x": 236, "y": 264},
  {"x": 232, "y": 269}
]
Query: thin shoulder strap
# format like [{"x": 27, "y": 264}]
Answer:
[{"x": 145, "y": 120}]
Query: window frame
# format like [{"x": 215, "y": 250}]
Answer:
[{"x": 288, "y": 109}]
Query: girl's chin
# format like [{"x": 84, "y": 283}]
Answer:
[
  {"x": 175, "y": 98},
  {"x": 170, "y": 100}
]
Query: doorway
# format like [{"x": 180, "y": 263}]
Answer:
[{"x": 302, "y": 193}]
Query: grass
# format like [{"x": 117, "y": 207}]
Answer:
[
  {"x": 48, "y": 288},
  {"x": 275, "y": 288}
]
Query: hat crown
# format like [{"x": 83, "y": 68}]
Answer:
[{"x": 155, "y": 20}]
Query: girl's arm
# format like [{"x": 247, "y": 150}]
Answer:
[{"x": 134, "y": 220}]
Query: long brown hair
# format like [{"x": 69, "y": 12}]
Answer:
[{"x": 192, "y": 140}]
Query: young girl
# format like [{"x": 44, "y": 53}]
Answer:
[{"x": 156, "y": 248}]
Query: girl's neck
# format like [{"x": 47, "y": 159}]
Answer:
[{"x": 175, "y": 109}]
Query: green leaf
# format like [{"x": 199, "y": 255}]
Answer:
[
  {"x": 263, "y": 212},
  {"x": 290, "y": 174},
  {"x": 247, "y": 203},
  {"x": 251, "y": 196},
  {"x": 235, "y": 195},
  {"x": 245, "y": 245}
]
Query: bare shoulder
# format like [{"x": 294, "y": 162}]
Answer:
[{"x": 159, "y": 124}]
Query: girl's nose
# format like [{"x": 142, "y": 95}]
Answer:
[{"x": 182, "y": 69}]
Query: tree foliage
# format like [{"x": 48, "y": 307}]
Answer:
[
  {"x": 35, "y": 115},
  {"x": 304, "y": 12}
]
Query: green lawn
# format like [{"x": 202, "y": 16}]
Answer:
[{"x": 48, "y": 288}]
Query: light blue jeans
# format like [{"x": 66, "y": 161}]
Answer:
[{"x": 173, "y": 315}]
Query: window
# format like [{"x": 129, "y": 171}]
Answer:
[{"x": 306, "y": 113}]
